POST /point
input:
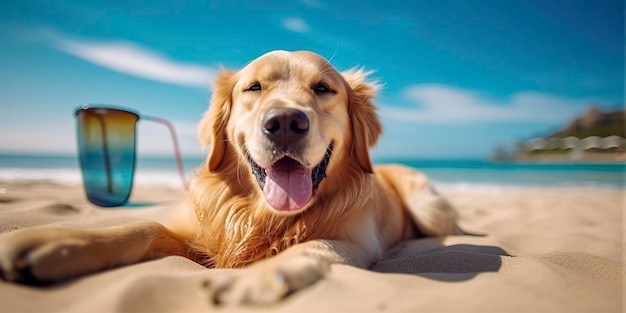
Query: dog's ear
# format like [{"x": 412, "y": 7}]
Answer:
[
  {"x": 212, "y": 128},
  {"x": 366, "y": 127}
]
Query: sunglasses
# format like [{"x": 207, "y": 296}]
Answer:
[{"x": 107, "y": 152}]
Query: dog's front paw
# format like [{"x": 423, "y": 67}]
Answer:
[
  {"x": 39, "y": 255},
  {"x": 267, "y": 281}
]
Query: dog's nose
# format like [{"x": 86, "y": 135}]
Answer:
[{"x": 285, "y": 125}]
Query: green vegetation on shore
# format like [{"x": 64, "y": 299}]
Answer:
[{"x": 596, "y": 136}]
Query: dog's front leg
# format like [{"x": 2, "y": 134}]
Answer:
[
  {"x": 271, "y": 280},
  {"x": 43, "y": 255}
]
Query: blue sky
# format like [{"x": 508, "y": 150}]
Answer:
[{"x": 460, "y": 77}]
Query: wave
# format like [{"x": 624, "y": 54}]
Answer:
[
  {"x": 62, "y": 176},
  {"x": 72, "y": 176},
  {"x": 442, "y": 181}
]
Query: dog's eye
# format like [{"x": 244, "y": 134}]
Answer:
[
  {"x": 321, "y": 88},
  {"x": 256, "y": 86}
]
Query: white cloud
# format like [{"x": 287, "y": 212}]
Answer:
[
  {"x": 295, "y": 24},
  {"x": 130, "y": 58},
  {"x": 443, "y": 104}
]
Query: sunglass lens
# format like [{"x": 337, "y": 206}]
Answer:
[{"x": 106, "y": 143}]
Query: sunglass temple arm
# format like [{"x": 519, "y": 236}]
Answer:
[{"x": 179, "y": 162}]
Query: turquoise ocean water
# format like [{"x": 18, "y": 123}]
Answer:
[{"x": 458, "y": 174}]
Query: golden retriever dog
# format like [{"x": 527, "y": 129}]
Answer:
[{"x": 288, "y": 189}]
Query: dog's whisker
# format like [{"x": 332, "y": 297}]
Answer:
[{"x": 334, "y": 53}]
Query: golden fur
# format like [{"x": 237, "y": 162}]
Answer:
[{"x": 353, "y": 217}]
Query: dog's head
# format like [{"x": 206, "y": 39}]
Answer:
[{"x": 292, "y": 120}]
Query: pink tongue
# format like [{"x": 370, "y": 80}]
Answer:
[{"x": 288, "y": 185}]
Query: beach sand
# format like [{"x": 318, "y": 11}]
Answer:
[{"x": 543, "y": 250}]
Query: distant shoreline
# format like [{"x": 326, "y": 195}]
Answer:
[{"x": 618, "y": 157}]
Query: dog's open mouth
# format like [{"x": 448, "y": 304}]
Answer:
[{"x": 287, "y": 184}]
